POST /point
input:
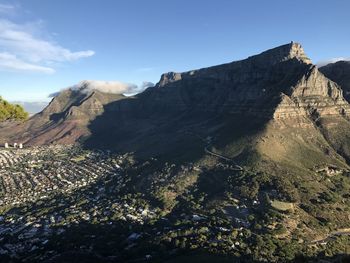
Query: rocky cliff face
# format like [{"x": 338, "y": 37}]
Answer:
[
  {"x": 314, "y": 94},
  {"x": 340, "y": 73},
  {"x": 257, "y": 86}
]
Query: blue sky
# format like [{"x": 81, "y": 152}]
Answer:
[{"x": 49, "y": 45}]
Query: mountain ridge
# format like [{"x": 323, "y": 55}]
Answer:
[{"x": 280, "y": 85}]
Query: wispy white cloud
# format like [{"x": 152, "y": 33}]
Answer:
[
  {"x": 24, "y": 50},
  {"x": 332, "y": 60},
  {"x": 9, "y": 62},
  {"x": 115, "y": 87}
]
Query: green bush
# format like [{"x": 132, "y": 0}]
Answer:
[{"x": 10, "y": 111}]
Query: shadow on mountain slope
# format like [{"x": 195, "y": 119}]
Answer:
[
  {"x": 178, "y": 136},
  {"x": 176, "y": 118}
]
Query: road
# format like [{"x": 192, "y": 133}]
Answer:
[
  {"x": 340, "y": 232},
  {"x": 237, "y": 167},
  {"x": 217, "y": 155}
]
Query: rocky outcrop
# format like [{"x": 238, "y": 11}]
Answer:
[
  {"x": 340, "y": 73},
  {"x": 315, "y": 94}
]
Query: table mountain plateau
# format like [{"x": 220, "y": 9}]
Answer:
[{"x": 277, "y": 105}]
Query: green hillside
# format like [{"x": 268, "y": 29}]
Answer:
[{"x": 10, "y": 111}]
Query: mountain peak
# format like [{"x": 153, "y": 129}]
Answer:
[
  {"x": 282, "y": 53},
  {"x": 297, "y": 51}
]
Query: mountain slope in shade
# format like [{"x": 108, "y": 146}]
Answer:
[
  {"x": 274, "y": 114},
  {"x": 340, "y": 73}
]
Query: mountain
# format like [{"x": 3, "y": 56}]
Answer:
[
  {"x": 340, "y": 73},
  {"x": 274, "y": 113},
  {"x": 64, "y": 120},
  {"x": 277, "y": 97}
]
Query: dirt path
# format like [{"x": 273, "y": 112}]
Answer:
[
  {"x": 237, "y": 167},
  {"x": 339, "y": 232}
]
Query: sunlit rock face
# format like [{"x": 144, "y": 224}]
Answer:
[{"x": 257, "y": 85}]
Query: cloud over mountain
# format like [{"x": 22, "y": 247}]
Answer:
[{"x": 114, "y": 87}]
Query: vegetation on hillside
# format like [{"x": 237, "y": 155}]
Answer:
[
  {"x": 10, "y": 111},
  {"x": 107, "y": 207}
]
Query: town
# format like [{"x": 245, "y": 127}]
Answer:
[
  {"x": 45, "y": 191},
  {"x": 57, "y": 199}
]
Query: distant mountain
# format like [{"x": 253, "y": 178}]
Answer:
[
  {"x": 64, "y": 120},
  {"x": 340, "y": 73},
  {"x": 32, "y": 107}
]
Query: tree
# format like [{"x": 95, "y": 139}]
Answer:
[{"x": 9, "y": 111}]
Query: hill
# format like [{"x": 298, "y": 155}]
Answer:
[{"x": 63, "y": 121}]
